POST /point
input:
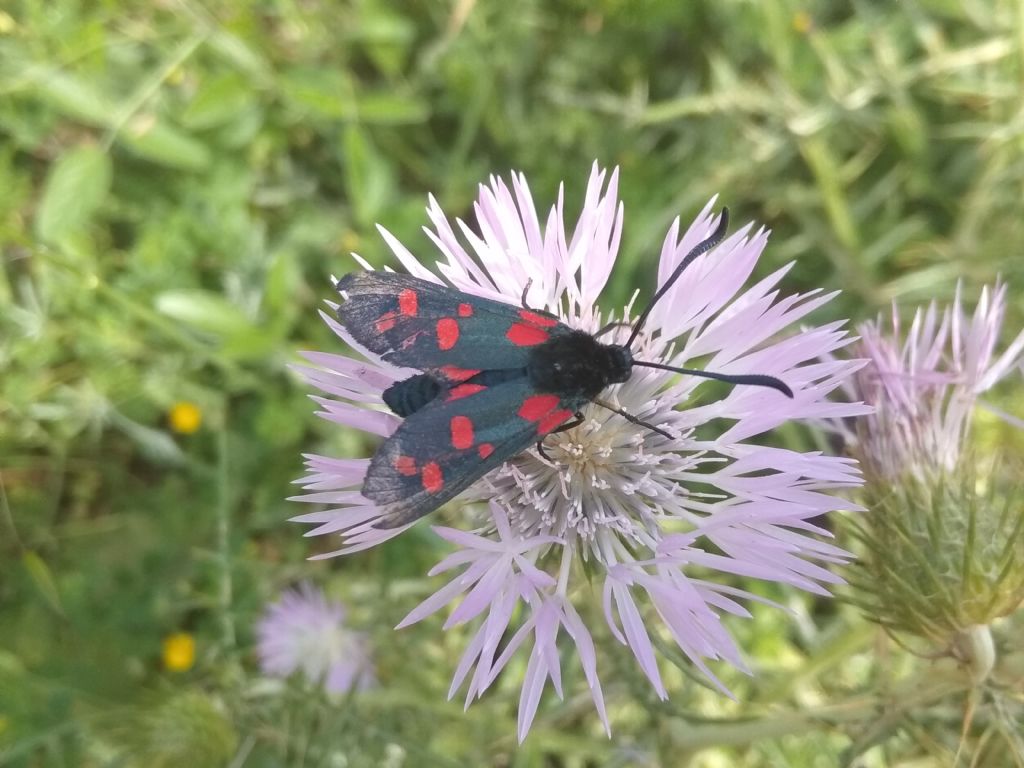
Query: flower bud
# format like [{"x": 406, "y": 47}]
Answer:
[{"x": 940, "y": 553}]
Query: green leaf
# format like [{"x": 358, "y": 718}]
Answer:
[
  {"x": 42, "y": 577},
  {"x": 390, "y": 108},
  {"x": 10, "y": 664},
  {"x": 71, "y": 97},
  {"x": 282, "y": 284},
  {"x": 320, "y": 93},
  {"x": 204, "y": 311},
  {"x": 367, "y": 176},
  {"x": 75, "y": 188},
  {"x": 239, "y": 53},
  {"x": 155, "y": 140},
  {"x": 258, "y": 344},
  {"x": 147, "y": 135},
  {"x": 155, "y": 444},
  {"x": 219, "y": 101},
  {"x": 333, "y": 95}
]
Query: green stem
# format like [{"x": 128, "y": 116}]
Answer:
[
  {"x": 928, "y": 686},
  {"x": 225, "y": 596},
  {"x": 847, "y": 643},
  {"x": 5, "y": 507}
]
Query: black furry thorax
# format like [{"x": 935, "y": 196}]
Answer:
[{"x": 577, "y": 365}]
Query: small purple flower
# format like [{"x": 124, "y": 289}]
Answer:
[
  {"x": 638, "y": 512},
  {"x": 303, "y": 631},
  {"x": 924, "y": 387}
]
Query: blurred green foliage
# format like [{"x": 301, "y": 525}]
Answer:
[{"x": 177, "y": 182}]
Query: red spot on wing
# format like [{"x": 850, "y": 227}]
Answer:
[
  {"x": 386, "y": 322},
  {"x": 408, "y": 302},
  {"x": 454, "y": 373},
  {"x": 406, "y": 465},
  {"x": 552, "y": 420},
  {"x": 465, "y": 310},
  {"x": 485, "y": 450},
  {"x": 537, "y": 407},
  {"x": 462, "y": 432},
  {"x": 447, "y": 333},
  {"x": 523, "y": 335},
  {"x": 465, "y": 390},
  {"x": 433, "y": 480},
  {"x": 541, "y": 320}
]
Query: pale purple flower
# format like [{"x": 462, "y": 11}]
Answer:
[
  {"x": 305, "y": 632},
  {"x": 653, "y": 517},
  {"x": 924, "y": 386}
]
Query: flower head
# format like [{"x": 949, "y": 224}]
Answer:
[
  {"x": 185, "y": 418},
  {"x": 642, "y": 511},
  {"x": 942, "y": 536},
  {"x": 303, "y": 631},
  {"x": 924, "y": 386},
  {"x": 179, "y": 652}
]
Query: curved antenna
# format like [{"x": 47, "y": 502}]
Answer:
[
  {"x": 702, "y": 247},
  {"x": 756, "y": 379}
]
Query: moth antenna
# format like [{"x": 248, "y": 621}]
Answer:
[
  {"x": 754, "y": 379},
  {"x": 702, "y": 247}
]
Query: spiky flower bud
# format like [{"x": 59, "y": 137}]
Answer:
[
  {"x": 188, "y": 729},
  {"x": 942, "y": 539},
  {"x": 941, "y": 554}
]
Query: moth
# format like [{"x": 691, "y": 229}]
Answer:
[{"x": 494, "y": 379}]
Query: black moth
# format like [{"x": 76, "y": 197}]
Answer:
[{"x": 496, "y": 378}]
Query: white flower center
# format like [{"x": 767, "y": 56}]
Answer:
[{"x": 606, "y": 483}]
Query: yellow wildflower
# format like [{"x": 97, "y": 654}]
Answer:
[
  {"x": 185, "y": 417},
  {"x": 179, "y": 652},
  {"x": 802, "y": 22},
  {"x": 350, "y": 240}
]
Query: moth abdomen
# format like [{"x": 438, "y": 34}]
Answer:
[{"x": 406, "y": 397}]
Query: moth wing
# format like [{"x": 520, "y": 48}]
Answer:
[
  {"x": 418, "y": 324},
  {"x": 452, "y": 442}
]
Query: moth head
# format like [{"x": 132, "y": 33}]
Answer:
[{"x": 620, "y": 363}]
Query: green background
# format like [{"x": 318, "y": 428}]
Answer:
[{"x": 179, "y": 179}]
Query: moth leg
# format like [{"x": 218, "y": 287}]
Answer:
[
  {"x": 631, "y": 418},
  {"x": 522, "y": 301},
  {"x": 526, "y": 290},
  {"x": 542, "y": 452},
  {"x": 574, "y": 422},
  {"x": 577, "y": 419}
]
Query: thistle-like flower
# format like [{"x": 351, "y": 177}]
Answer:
[
  {"x": 305, "y": 632},
  {"x": 649, "y": 517},
  {"x": 924, "y": 387},
  {"x": 943, "y": 534}
]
